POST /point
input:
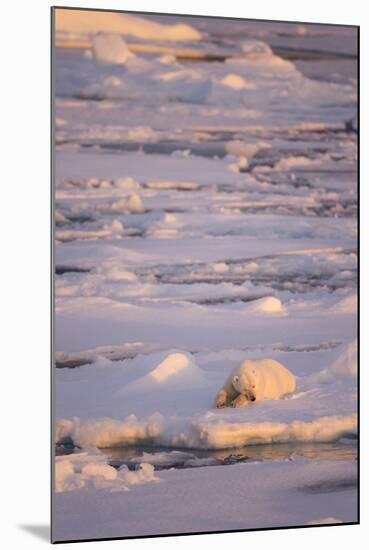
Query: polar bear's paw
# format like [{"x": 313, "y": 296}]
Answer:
[
  {"x": 239, "y": 401},
  {"x": 221, "y": 400}
]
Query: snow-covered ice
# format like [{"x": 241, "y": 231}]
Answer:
[
  {"x": 206, "y": 201},
  {"x": 197, "y": 500},
  {"x": 90, "y": 22}
]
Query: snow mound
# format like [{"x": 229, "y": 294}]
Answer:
[
  {"x": 110, "y": 49},
  {"x": 236, "y": 82},
  {"x": 135, "y": 204},
  {"x": 117, "y": 228},
  {"x": 345, "y": 365},
  {"x": 346, "y": 305},
  {"x": 92, "y": 22},
  {"x": 269, "y": 305},
  {"x": 177, "y": 370},
  {"x": 220, "y": 267}
]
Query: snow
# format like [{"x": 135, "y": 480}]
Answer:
[
  {"x": 206, "y": 214},
  {"x": 90, "y": 22}
]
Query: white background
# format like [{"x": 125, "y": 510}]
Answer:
[{"x": 25, "y": 267}]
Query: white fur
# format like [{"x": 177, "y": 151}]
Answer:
[{"x": 255, "y": 381}]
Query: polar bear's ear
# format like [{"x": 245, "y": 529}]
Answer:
[{"x": 236, "y": 378}]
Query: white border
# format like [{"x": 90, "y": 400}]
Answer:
[{"x": 25, "y": 104}]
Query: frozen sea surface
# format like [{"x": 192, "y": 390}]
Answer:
[{"x": 206, "y": 202}]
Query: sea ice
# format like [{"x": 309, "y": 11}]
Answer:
[
  {"x": 205, "y": 214},
  {"x": 92, "y": 22}
]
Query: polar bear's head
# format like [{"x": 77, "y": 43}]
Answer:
[{"x": 245, "y": 381}]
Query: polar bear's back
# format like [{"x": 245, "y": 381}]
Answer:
[{"x": 273, "y": 379}]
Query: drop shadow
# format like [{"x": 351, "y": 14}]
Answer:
[{"x": 40, "y": 531}]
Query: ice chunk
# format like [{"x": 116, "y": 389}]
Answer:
[
  {"x": 241, "y": 164},
  {"x": 135, "y": 204},
  {"x": 96, "y": 469},
  {"x": 211, "y": 431},
  {"x": 110, "y": 49},
  {"x": 144, "y": 474},
  {"x": 65, "y": 477}
]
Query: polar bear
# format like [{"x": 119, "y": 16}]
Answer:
[{"x": 255, "y": 381}]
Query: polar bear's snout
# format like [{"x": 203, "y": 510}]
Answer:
[
  {"x": 244, "y": 386},
  {"x": 250, "y": 395}
]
